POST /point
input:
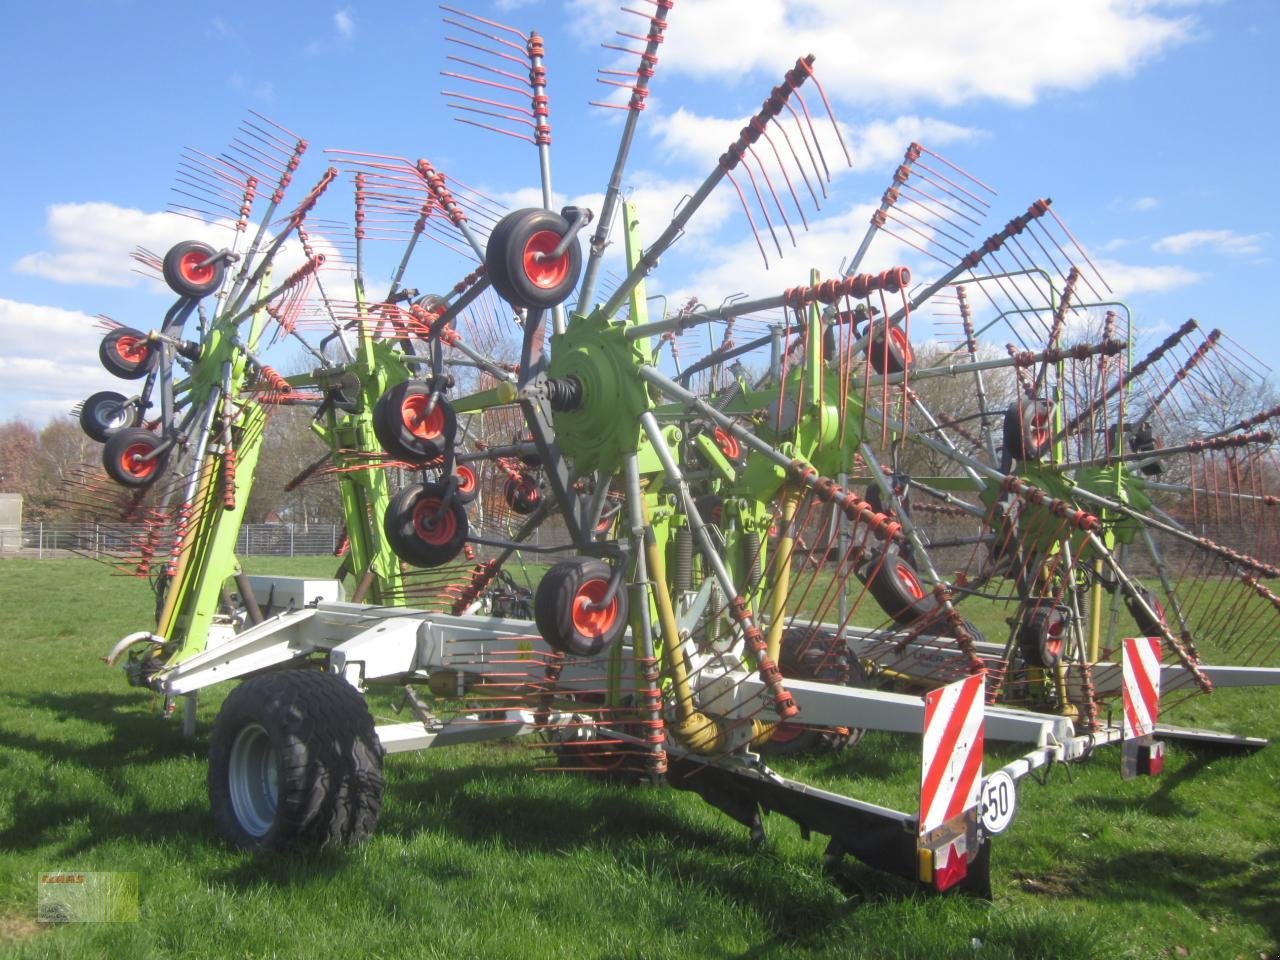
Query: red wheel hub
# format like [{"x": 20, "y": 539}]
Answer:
[
  {"x": 466, "y": 479},
  {"x": 907, "y": 577},
  {"x": 131, "y": 349},
  {"x": 544, "y": 272},
  {"x": 522, "y": 488},
  {"x": 423, "y": 425},
  {"x": 727, "y": 443},
  {"x": 193, "y": 269},
  {"x": 1053, "y": 639},
  {"x": 132, "y": 462},
  {"x": 786, "y": 732},
  {"x": 1040, "y": 429},
  {"x": 900, "y": 341},
  {"x": 588, "y": 618},
  {"x": 430, "y": 525}
]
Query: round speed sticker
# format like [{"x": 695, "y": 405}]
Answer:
[{"x": 998, "y": 799}]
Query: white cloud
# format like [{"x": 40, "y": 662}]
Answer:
[
  {"x": 733, "y": 268},
  {"x": 938, "y": 51},
  {"x": 656, "y": 200},
  {"x": 92, "y": 243},
  {"x": 1143, "y": 204},
  {"x": 1226, "y": 242},
  {"x": 1127, "y": 279},
  {"x": 345, "y": 23},
  {"x": 874, "y": 145},
  {"x": 49, "y": 360}
]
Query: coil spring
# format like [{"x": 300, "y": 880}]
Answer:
[
  {"x": 751, "y": 554},
  {"x": 684, "y": 559},
  {"x": 728, "y": 396}
]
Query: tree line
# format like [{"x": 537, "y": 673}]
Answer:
[{"x": 41, "y": 463}]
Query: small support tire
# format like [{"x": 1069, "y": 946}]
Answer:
[
  {"x": 512, "y": 259},
  {"x": 187, "y": 270},
  {"x": 124, "y": 457},
  {"x": 563, "y": 608},
  {"x": 418, "y": 532}
]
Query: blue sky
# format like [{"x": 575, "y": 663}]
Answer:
[{"x": 1151, "y": 124}]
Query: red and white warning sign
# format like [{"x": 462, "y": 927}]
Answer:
[
  {"x": 952, "y": 770},
  {"x": 1141, "y": 685}
]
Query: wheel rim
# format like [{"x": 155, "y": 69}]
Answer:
[
  {"x": 1053, "y": 640},
  {"x": 132, "y": 462},
  {"x": 907, "y": 577},
  {"x": 423, "y": 425},
  {"x": 109, "y": 414},
  {"x": 131, "y": 349},
  {"x": 727, "y": 443},
  {"x": 711, "y": 509},
  {"x": 589, "y": 619},
  {"x": 605, "y": 521},
  {"x": 1154, "y": 603},
  {"x": 900, "y": 341},
  {"x": 788, "y": 733},
  {"x": 466, "y": 480},
  {"x": 546, "y": 272},
  {"x": 1040, "y": 429},
  {"x": 193, "y": 269},
  {"x": 253, "y": 778},
  {"x": 430, "y": 528},
  {"x": 523, "y": 492}
]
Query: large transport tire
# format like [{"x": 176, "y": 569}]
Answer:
[
  {"x": 417, "y": 534},
  {"x": 403, "y": 430},
  {"x": 123, "y": 457},
  {"x": 187, "y": 271},
  {"x": 510, "y": 263},
  {"x": 127, "y": 353},
  {"x": 811, "y": 654},
  {"x": 896, "y": 585},
  {"x": 293, "y": 762},
  {"x": 561, "y": 608},
  {"x": 105, "y": 413}
]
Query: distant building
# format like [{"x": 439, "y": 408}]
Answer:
[{"x": 10, "y": 521}]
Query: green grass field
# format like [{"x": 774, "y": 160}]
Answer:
[{"x": 479, "y": 854}]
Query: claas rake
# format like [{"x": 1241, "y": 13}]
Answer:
[{"x": 784, "y": 543}]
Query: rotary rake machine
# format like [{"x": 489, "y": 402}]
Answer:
[
  {"x": 186, "y": 469},
  {"x": 728, "y": 591}
]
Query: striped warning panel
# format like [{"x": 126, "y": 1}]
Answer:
[
  {"x": 952, "y": 769},
  {"x": 1141, "y": 685}
]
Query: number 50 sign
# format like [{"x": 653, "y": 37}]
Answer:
[{"x": 998, "y": 799}]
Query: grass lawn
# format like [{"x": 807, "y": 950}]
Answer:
[{"x": 480, "y": 854}]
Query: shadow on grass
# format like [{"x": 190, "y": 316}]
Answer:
[
  {"x": 137, "y": 735},
  {"x": 624, "y": 825},
  {"x": 134, "y": 738},
  {"x": 1162, "y": 801},
  {"x": 1216, "y": 886}
]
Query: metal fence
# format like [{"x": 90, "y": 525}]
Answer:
[{"x": 41, "y": 540}]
